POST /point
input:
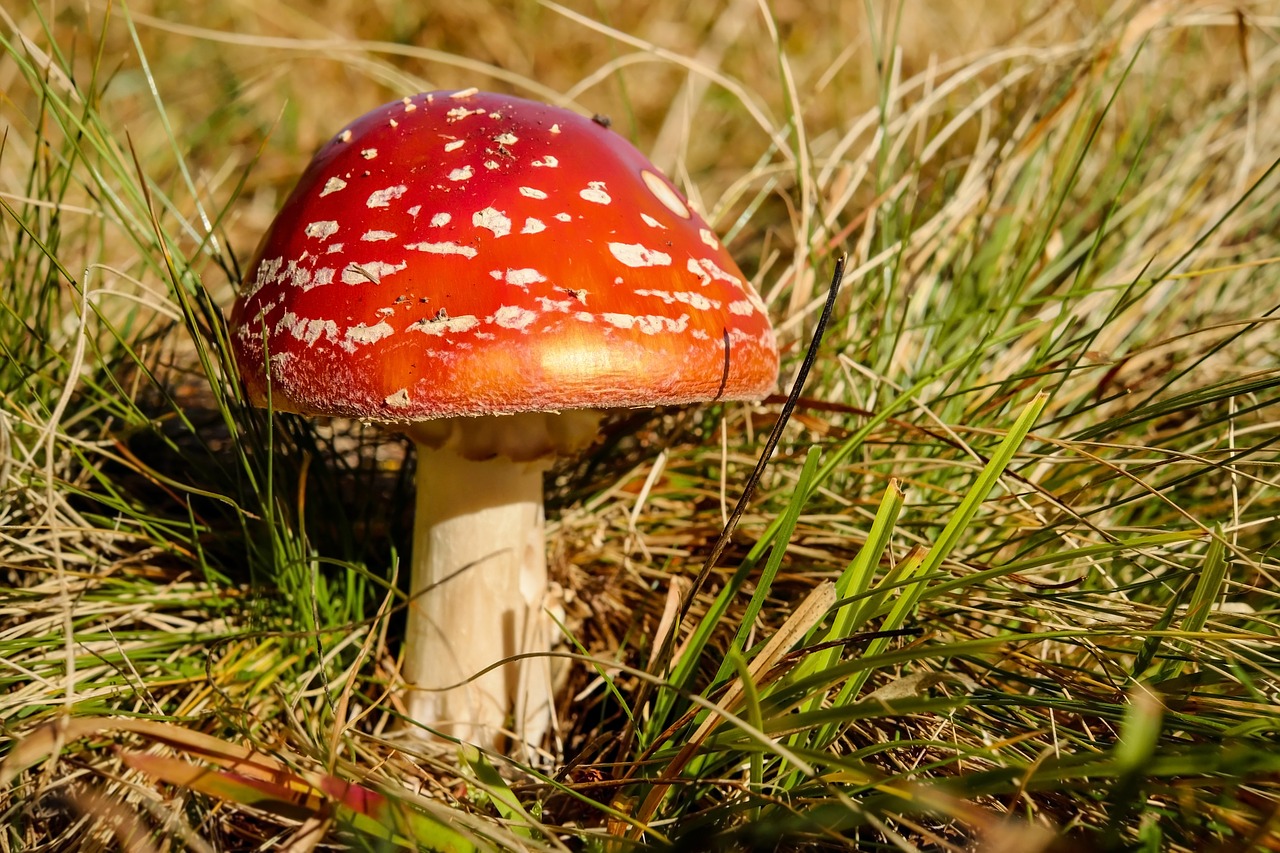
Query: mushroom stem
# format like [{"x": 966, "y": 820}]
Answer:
[{"x": 478, "y": 583}]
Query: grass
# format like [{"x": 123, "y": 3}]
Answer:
[{"x": 1007, "y": 581}]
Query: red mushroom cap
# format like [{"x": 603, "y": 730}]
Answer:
[{"x": 466, "y": 253}]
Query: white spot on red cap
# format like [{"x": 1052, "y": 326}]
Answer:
[
  {"x": 362, "y": 334},
  {"x": 322, "y": 229},
  {"x": 564, "y": 217},
  {"x": 560, "y": 306},
  {"x": 506, "y": 139},
  {"x": 414, "y": 211},
  {"x": 458, "y": 113},
  {"x": 376, "y": 236},
  {"x": 345, "y": 136},
  {"x": 522, "y": 277},
  {"x": 493, "y": 219},
  {"x": 332, "y": 186},
  {"x": 533, "y": 226},
  {"x": 454, "y": 145},
  {"x": 370, "y": 272},
  {"x": 368, "y": 153},
  {"x": 662, "y": 192},
  {"x": 299, "y": 276},
  {"x": 742, "y": 307},
  {"x": 307, "y": 331},
  {"x": 439, "y": 219},
  {"x": 398, "y": 400},
  {"x": 595, "y": 192},
  {"x": 692, "y": 266},
  {"x": 513, "y": 317},
  {"x": 709, "y": 238},
  {"x": 648, "y": 324},
  {"x": 739, "y": 336},
  {"x": 708, "y": 269},
  {"x": 268, "y": 269},
  {"x": 383, "y": 197},
  {"x": 444, "y": 248},
  {"x": 651, "y": 222},
  {"x": 439, "y": 326},
  {"x": 530, "y": 192},
  {"x": 693, "y": 300},
  {"x": 491, "y": 164},
  {"x": 555, "y": 128},
  {"x": 636, "y": 255},
  {"x": 464, "y": 93},
  {"x": 461, "y": 174},
  {"x": 547, "y": 161}
]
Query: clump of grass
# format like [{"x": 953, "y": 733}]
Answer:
[{"x": 1007, "y": 579}]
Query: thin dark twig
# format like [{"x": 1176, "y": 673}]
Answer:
[
  {"x": 775, "y": 435},
  {"x": 728, "y": 362},
  {"x": 748, "y": 489}
]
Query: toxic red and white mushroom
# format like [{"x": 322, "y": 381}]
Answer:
[{"x": 487, "y": 273}]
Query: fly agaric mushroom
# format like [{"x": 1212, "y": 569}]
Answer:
[{"x": 486, "y": 273}]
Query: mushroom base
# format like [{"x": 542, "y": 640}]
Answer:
[{"x": 478, "y": 585}]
